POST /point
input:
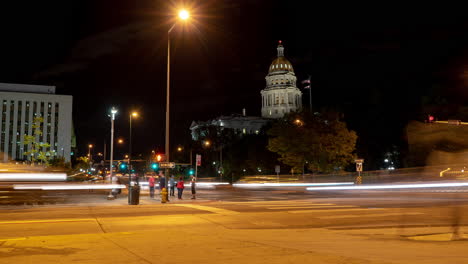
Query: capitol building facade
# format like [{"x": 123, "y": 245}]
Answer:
[{"x": 280, "y": 95}]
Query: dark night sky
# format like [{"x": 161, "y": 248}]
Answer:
[{"x": 372, "y": 63}]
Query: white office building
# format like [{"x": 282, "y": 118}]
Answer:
[{"x": 20, "y": 104}]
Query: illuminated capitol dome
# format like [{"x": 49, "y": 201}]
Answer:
[{"x": 280, "y": 95}]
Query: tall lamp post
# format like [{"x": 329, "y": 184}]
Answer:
[
  {"x": 183, "y": 15},
  {"x": 133, "y": 114},
  {"x": 90, "y": 146},
  {"x": 112, "y": 116}
]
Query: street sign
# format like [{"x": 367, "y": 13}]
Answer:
[
  {"x": 277, "y": 168},
  {"x": 166, "y": 165},
  {"x": 359, "y": 164},
  {"x": 198, "y": 158}
]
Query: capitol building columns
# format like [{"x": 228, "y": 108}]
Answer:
[{"x": 280, "y": 95}]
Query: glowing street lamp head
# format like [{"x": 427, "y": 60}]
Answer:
[
  {"x": 183, "y": 14},
  {"x": 120, "y": 141},
  {"x": 90, "y": 145},
  {"x": 179, "y": 149},
  {"x": 113, "y": 111},
  {"x": 134, "y": 114},
  {"x": 207, "y": 143}
]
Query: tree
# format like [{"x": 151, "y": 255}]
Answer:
[
  {"x": 34, "y": 145},
  {"x": 321, "y": 142}
]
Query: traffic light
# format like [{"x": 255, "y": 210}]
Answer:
[
  {"x": 123, "y": 166},
  {"x": 155, "y": 166},
  {"x": 191, "y": 172},
  {"x": 430, "y": 118},
  {"x": 160, "y": 157}
]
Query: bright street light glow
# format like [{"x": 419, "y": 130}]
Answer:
[
  {"x": 391, "y": 186},
  {"x": 134, "y": 114},
  {"x": 183, "y": 14},
  {"x": 120, "y": 141}
]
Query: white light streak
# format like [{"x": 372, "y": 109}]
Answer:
[
  {"x": 69, "y": 187},
  {"x": 254, "y": 185},
  {"x": 391, "y": 186},
  {"x": 33, "y": 176},
  {"x": 211, "y": 183}
]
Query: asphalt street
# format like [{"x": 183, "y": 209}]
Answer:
[{"x": 228, "y": 225}]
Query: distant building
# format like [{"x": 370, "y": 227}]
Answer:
[
  {"x": 20, "y": 103},
  {"x": 280, "y": 95},
  {"x": 240, "y": 123}
]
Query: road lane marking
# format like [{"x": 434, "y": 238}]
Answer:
[
  {"x": 331, "y": 210},
  {"x": 13, "y": 239},
  {"x": 368, "y": 215},
  {"x": 289, "y": 204},
  {"x": 209, "y": 209},
  {"x": 48, "y": 221},
  {"x": 310, "y": 207}
]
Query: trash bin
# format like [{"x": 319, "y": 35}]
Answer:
[{"x": 134, "y": 195}]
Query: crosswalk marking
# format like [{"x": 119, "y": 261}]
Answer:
[
  {"x": 209, "y": 209},
  {"x": 330, "y": 210},
  {"x": 367, "y": 215}
]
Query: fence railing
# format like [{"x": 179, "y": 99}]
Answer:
[{"x": 428, "y": 173}]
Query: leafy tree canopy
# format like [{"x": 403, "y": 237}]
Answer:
[{"x": 319, "y": 141}]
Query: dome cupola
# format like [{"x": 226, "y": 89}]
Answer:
[{"x": 280, "y": 64}]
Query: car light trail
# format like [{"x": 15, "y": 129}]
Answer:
[
  {"x": 254, "y": 185},
  {"x": 391, "y": 186},
  {"x": 69, "y": 187},
  {"x": 211, "y": 183},
  {"x": 33, "y": 176}
]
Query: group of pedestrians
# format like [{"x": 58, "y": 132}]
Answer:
[{"x": 172, "y": 184}]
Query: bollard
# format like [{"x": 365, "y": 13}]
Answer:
[
  {"x": 164, "y": 195},
  {"x": 359, "y": 180}
]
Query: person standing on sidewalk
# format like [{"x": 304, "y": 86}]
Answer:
[
  {"x": 180, "y": 187},
  {"x": 172, "y": 185},
  {"x": 192, "y": 185},
  {"x": 151, "y": 185}
]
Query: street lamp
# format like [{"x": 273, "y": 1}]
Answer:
[
  {"x": 120, "y": 141},
  {"x": 183, "y": 15},
  {"x": 112, "y": 116},
  {"x": 90, "y": 146},
  {"x": 132, "y": 115}
]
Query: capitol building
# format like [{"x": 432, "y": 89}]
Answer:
[{"x": 279, "y": 97}]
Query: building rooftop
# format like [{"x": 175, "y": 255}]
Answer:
[{"x": 27, "y": 88}]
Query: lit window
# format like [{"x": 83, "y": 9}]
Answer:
[
  {"x": 256, "y": 132},
  {"x": 243, "y": 130},
  {"x": 281, "y": 65}
]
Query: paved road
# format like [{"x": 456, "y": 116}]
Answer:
[{"x": 346, "y": 229}]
